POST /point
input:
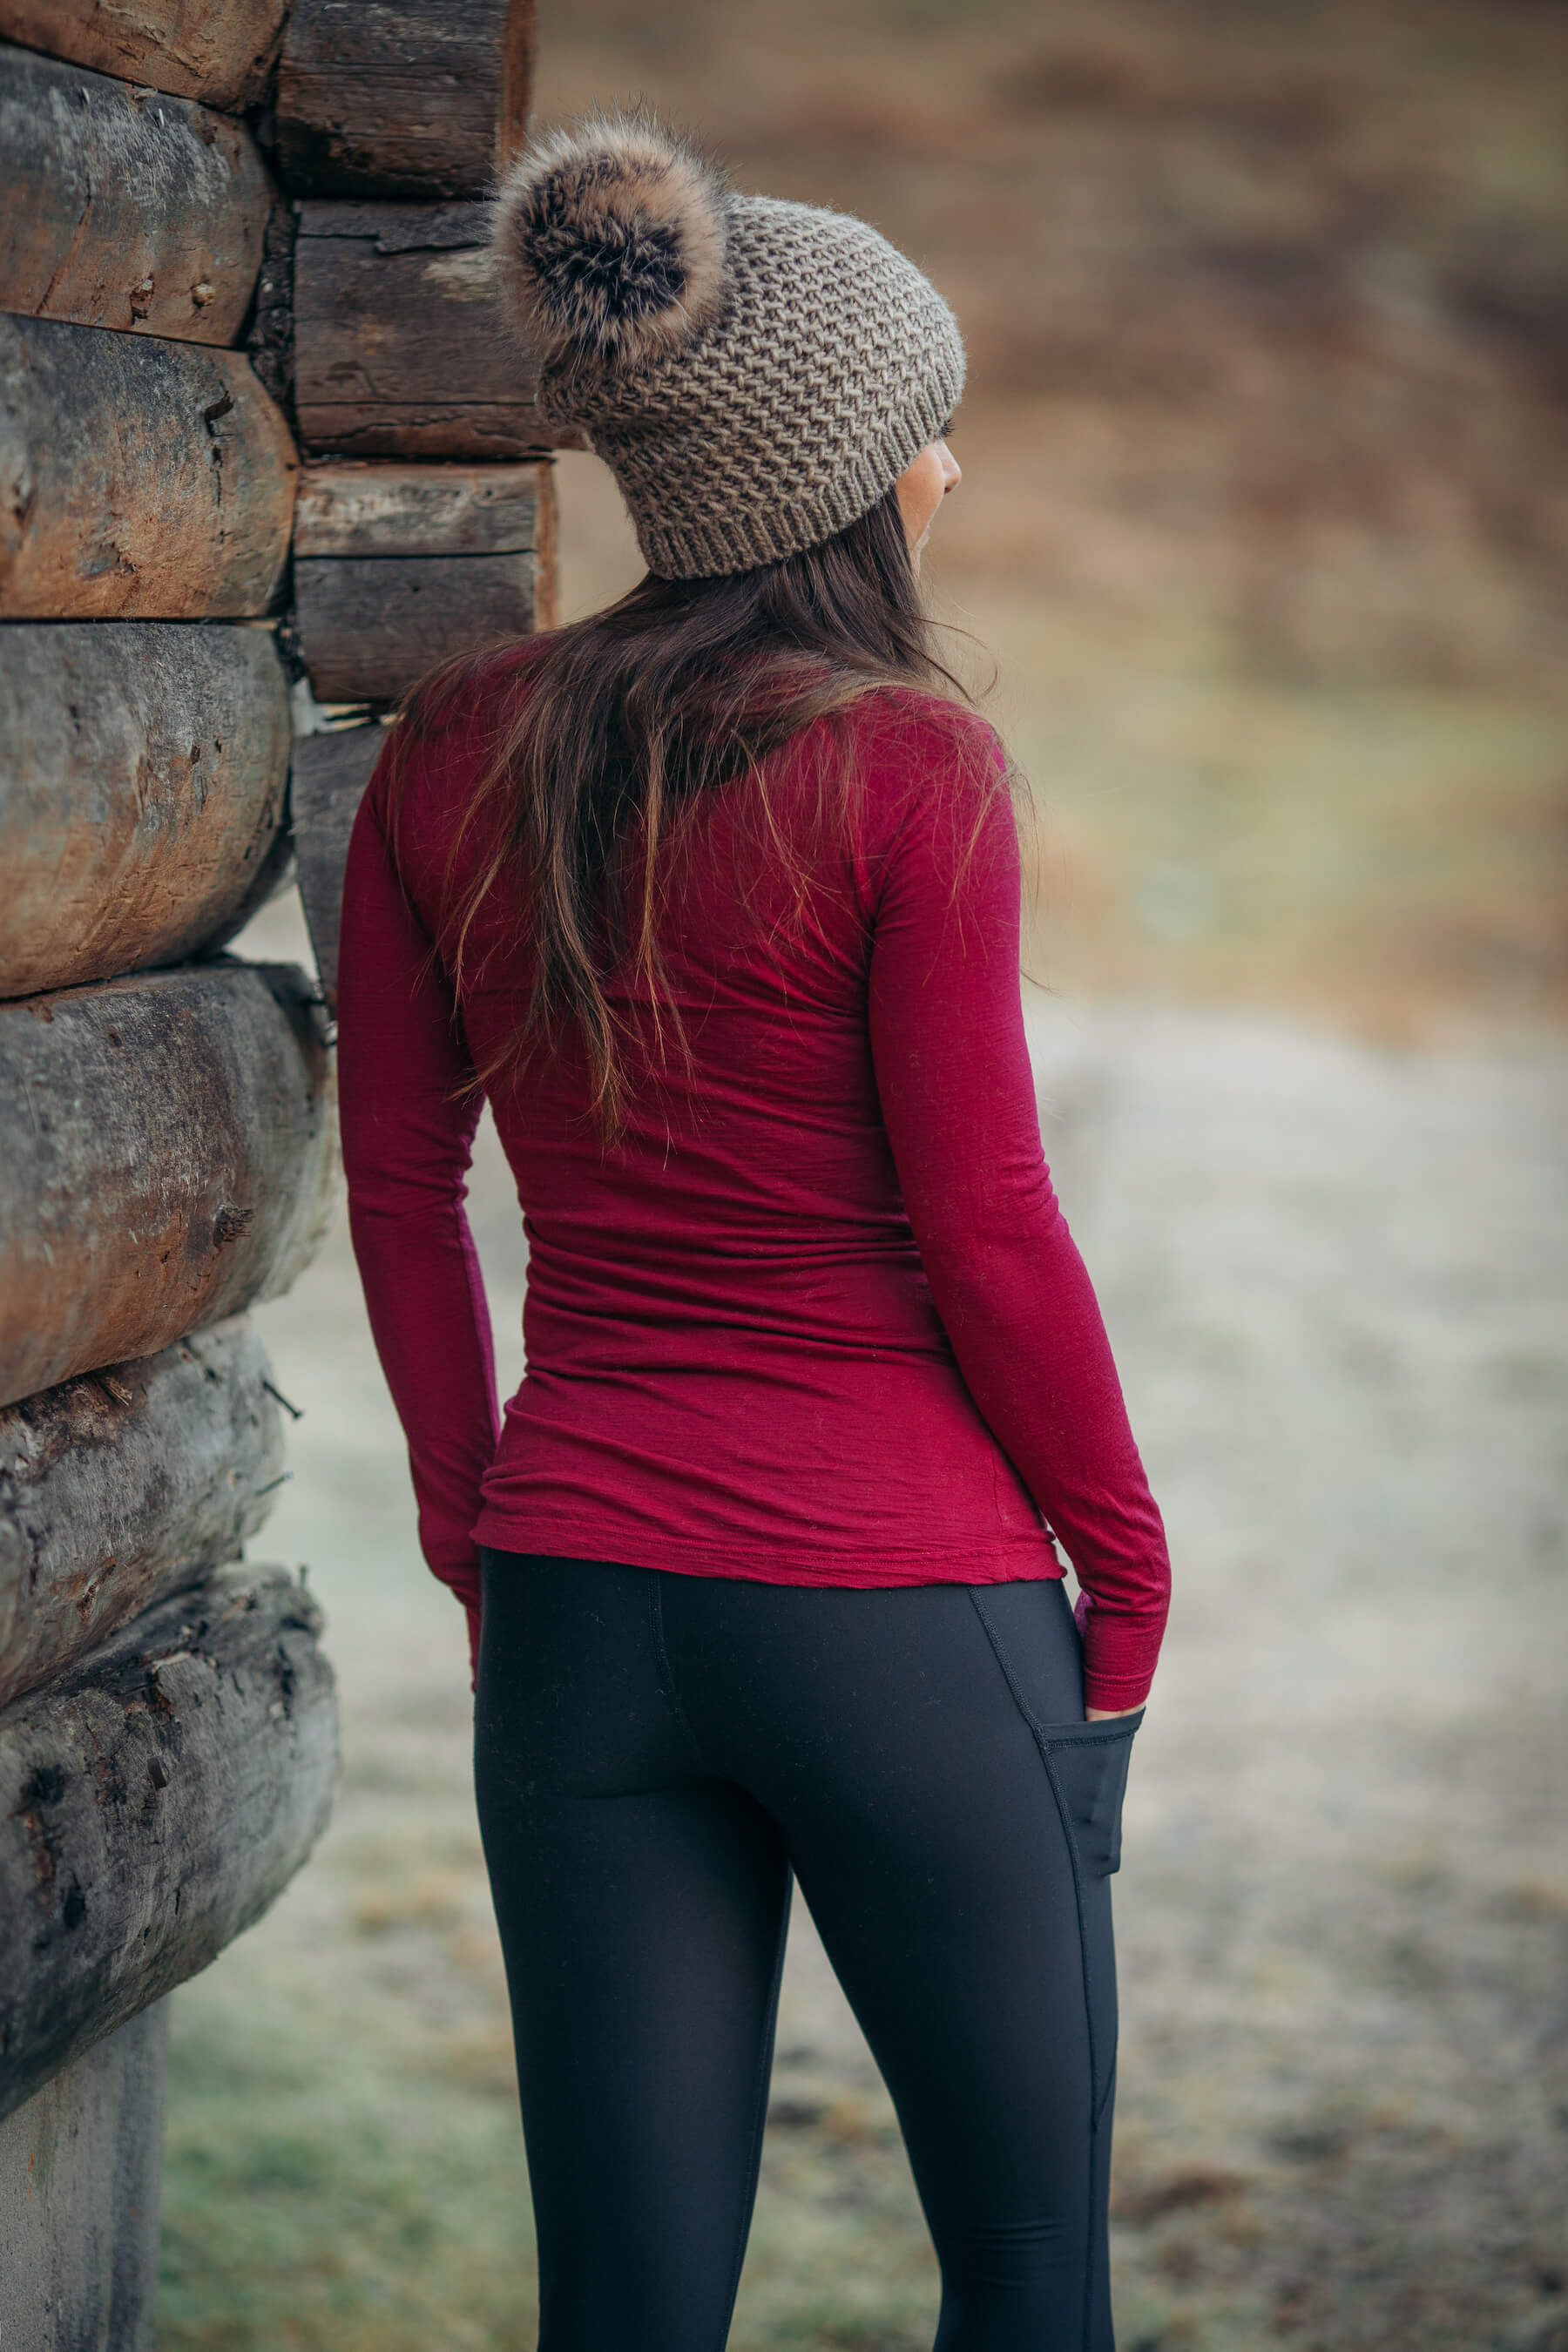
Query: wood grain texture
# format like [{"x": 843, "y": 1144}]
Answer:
[
  {"x": 153, "y": 1806},
  {"x": 401, "y": 349},
  {"x": 220, "y": 50},
  {"x": 169, "y": 1160},
  {"x": 125, "y": 208},
  {"x": 124, "y": 1486},
  {"x": 326, "y": 785},
  {"x": 369, "y": 628},
  {"x": 80, "y": 2177},
  {"x": 144, "y": 771},
  {"x": 391, "y": 509},
  {"x": 139, "y": 480},
  {"x": 403, "y": 98}
]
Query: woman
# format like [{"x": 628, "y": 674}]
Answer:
[{"x": 716, "y": 896}]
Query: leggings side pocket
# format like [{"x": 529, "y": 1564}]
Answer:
[
  {"x": 1089, "y": 1763},
  {"x": 1085, "y": 1764}
]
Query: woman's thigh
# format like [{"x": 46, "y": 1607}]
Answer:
[
  {"x": 946, "y": 1810},
  {"x": 642, "y": 1907}
]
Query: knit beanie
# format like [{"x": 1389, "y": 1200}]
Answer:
[{"x": 757, "y": 374}]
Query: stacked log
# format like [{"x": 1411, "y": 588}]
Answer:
[
  {"x": 398, "y": 347},
  {"x": 126, "y": 208},
  {"x": 140, "y": 479},
  {"x": 168, "y": 1726},
  {"x": 395, "y": 567},
  {"x": 224, "y": 51},
  {"x": 153, "y": 1807},
  {"x": 398, "y": 98},
  {"x": 167, "y": 1730},
  {"x": 143, "y": 777},
  {"x": 171, "y": 1163},
  {"x": 425, "y": 522},
  {"x": 122, "y": 1485}
]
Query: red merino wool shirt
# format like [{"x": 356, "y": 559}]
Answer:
[{"x": 816, "y": 1318}]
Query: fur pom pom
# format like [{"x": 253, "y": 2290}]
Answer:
[{"x": 609, "y": 236}]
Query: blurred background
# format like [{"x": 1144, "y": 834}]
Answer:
[{"x": 1259, "y": 555}]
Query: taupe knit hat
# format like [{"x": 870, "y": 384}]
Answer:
[{"x": 757, "y": 374}]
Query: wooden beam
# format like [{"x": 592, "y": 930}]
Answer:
[
  {"x": 80, "y": 2173},
  {"x": 124, "y": 1486},
  {"x": 139, "y": 480},
  {"x": 125, "y": 208},
  {"x": 144, "y": 771},
  {"x": 169, "y": 1160},
  {"x": 326, "y": 785},
  {"x": 220, "y": 50},
  {"x": 403, "y": 98},
  {"x": 391, "y": 510},
  {"x": 368, "y": 630},
  {"x": 152, "y": 1808},
  {"x": 396, "y": 567},
  {"x": 401, "y": 349}
]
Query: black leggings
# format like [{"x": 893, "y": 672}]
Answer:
[{"x": 655, "y": 1754}]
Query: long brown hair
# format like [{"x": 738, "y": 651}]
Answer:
[{"x": 618, "y": 728}]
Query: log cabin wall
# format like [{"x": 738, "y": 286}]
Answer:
[
  {"x": 426, "y": 518},
  {"x": 256, "y": 423}
]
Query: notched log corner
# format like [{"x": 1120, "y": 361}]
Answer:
[{"x": 153, "y": 1807}]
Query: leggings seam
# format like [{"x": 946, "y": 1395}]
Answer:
[
  {"x": 1096, "y": 2108},
  {"x": 759, "y": 2126},
  {"x": 661, "y": 1650}
]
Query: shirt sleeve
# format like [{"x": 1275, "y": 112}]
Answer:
[
  {"x": 958, "y": 1099},
  {"x": 409, "y": 1118}
]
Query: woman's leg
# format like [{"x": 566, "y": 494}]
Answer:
[
  {"x": 642, "y": 1905},
  {"x": 950, "y": 1817}
]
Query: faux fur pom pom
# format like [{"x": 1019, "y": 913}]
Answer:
[{"x": 609, "y": 236}]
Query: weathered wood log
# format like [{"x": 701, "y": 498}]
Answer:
[
  {"x": 369, "y": 629},
  {"x": 126, "y": 208},
  {"x": 403, "y": 98},
  {"x": 400, "y": 347},
  {"x": 326, "y": 785},
  {"x": 139, "y": 480},
  {"x": 169, "y": 1160},
  {"x": 143, "y": 779},
  {"x": 395, "y": 567},
  {"x": 220, "y": 50},
  {"x": 124, "y": 1486},
  {"x": 80, "y": 2171},
  {"x": 153, "y": 1807},
  {"x": 390, "y": 509}
]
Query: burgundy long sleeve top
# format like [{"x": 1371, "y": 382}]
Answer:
[{"x": 816, "y": 1317}]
